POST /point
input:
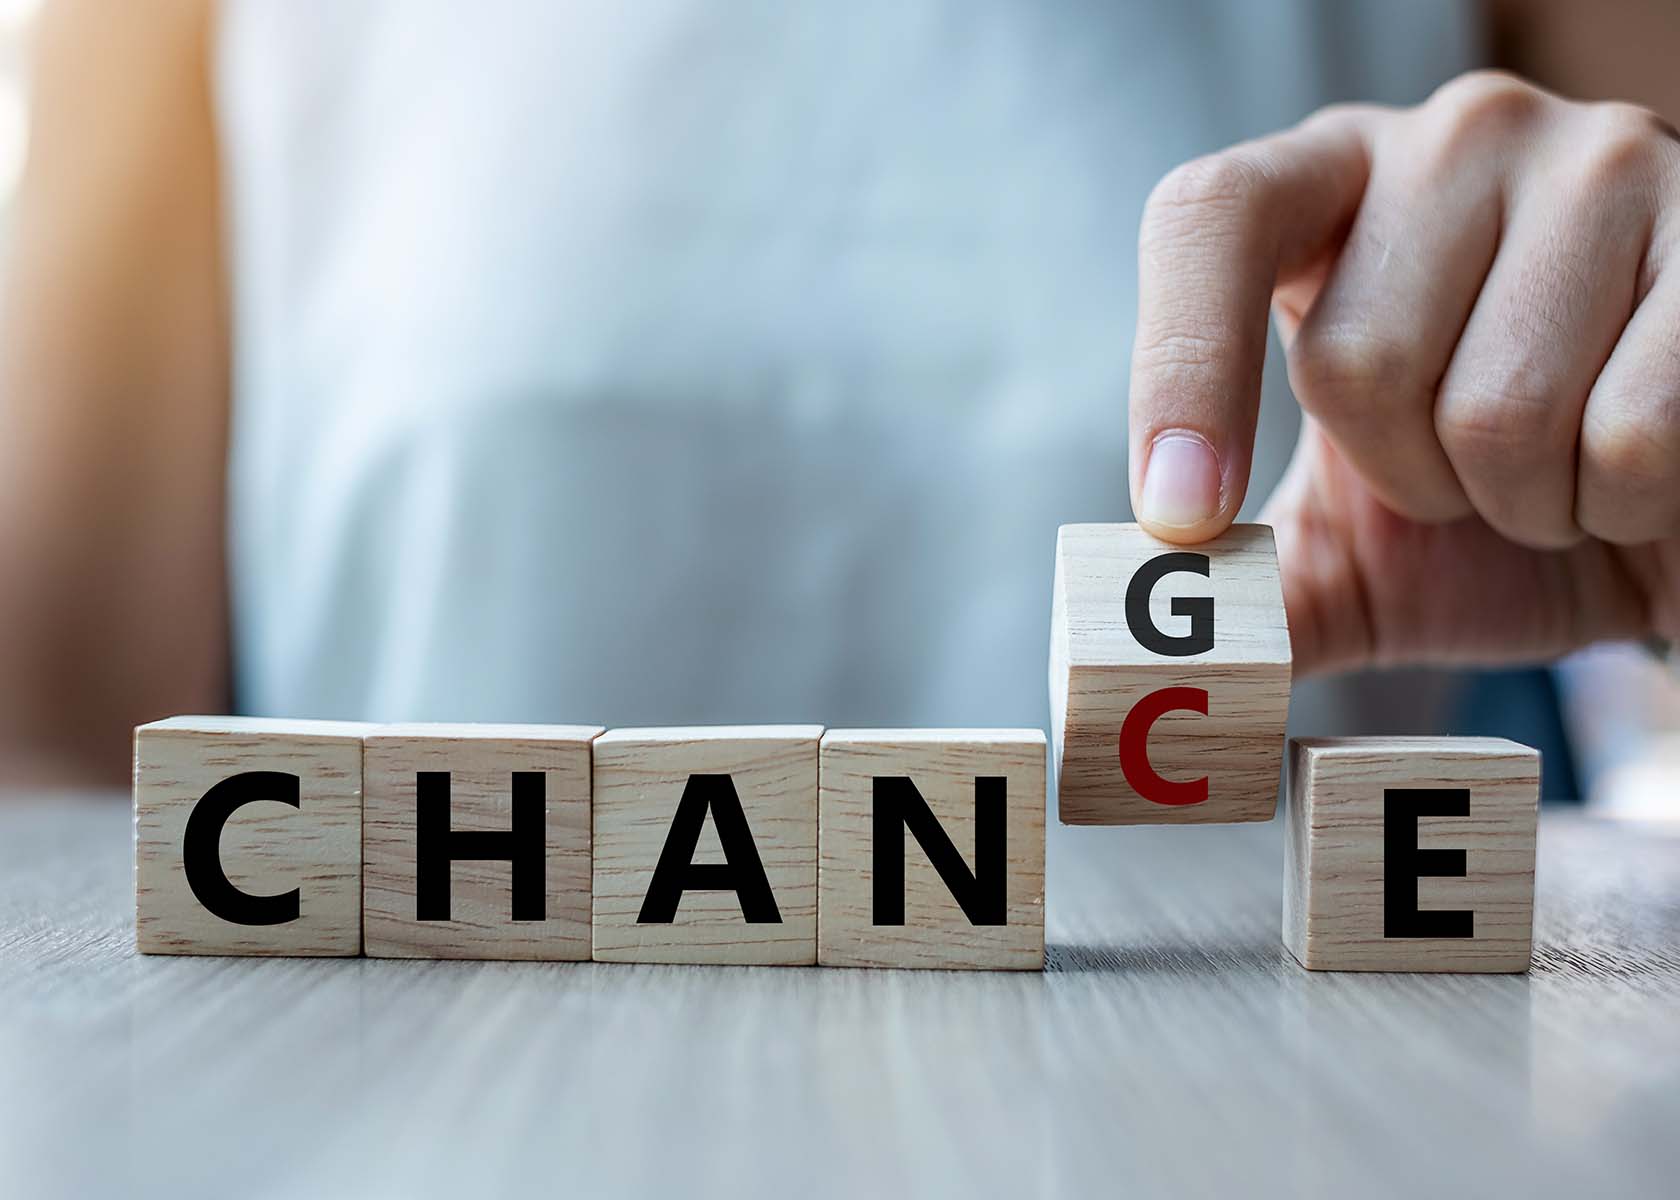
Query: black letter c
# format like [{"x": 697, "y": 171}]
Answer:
[{"x": 201, "y": 849}]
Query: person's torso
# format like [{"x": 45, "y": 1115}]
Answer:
[{"x": 675, "y": 361}]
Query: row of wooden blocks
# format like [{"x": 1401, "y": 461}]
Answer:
[
  {"x": 764, "y": 844},
  {"x": 1169, "y": 693},
  {"x": 767, "y": 845}
]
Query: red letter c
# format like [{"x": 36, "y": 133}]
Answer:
[{"x": 1134, "y": 746}]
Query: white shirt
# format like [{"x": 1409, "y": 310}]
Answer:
[{"x": 670, "y": 361}]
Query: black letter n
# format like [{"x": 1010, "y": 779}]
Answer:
[
  {"x": 437, "y": 846},
  {"x": 981, "y": 894}
]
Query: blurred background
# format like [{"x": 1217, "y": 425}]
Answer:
[
  {"x": 16, "y": 19},
  {"x": 560, "y": 362}
]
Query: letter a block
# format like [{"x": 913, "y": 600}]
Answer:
[
  {"x": 932, "y": 849},
  {"x": 248, "y": 836},
  {"x": 1169, "y": 677},
  {"x": 706, "y": 845},
  {"x": 1410, "y": 854},
  {"x": 476, "y": 841}
]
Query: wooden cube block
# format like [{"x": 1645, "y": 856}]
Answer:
[
  {"x": 248, "y": 836},
  {"x": 931, "y": 849},
  {"x": 706, "y": 845},
  {"x": 1410, "y": 854},
  {"x": 476, "y": 841},
  {"x": 1169, "y": 677}
]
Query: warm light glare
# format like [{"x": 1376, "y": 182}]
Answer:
[
  {"x": 14, "y": 136},
  {"x": 16, "y": 13}
]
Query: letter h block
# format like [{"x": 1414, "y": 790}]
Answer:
[
  {"x": 476, "y": 841},
  {"x": 1169, "y": 677},
  {"x": 1410, "y": 854}
]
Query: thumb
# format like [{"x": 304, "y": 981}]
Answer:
[{"x": 1218, "y": 235}]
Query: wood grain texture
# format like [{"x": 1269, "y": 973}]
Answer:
[
  {"x": 943, "y": 765},
  {"x": 1099, "y": 671},
  {"x": 1167, "y": 1008},
  {"x": 1334, "y": 866},
  {"x": 640, "y": 775},
  {"x": 266, "y": 848},
  {"x": 480, "y": 760}
]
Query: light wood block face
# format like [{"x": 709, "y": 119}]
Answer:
[
  {"x": 1144, "y": 635},
  {"x": 706, "y": 845},
  {"x": 476, "y": 841},
  {"x": 894, "y": 803},
  {"x": 248, "y": 837},
  {"x": 1410, "y": 854}
]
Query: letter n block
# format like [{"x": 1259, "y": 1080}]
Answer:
[
  {"x": 248, "y": 836},
  {"x": 706, "y": 845},
  {"x": 476, "y": 841},
  {"x": 932, "y": 849},
  {"x": 1410, "y": 854},
  {"x": 1169, "y": 677}
]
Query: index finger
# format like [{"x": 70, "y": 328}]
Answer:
[{"x": 1219, "y": 234}]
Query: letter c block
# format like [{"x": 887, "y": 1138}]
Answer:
[
  {"x": 248, "y": 836},
  {"x": 1169, "y": 677}
]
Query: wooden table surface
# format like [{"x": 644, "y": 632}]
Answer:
[{"x": 1170, "y": 1046}]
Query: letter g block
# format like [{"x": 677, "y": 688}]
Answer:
[{"x": 1169, "y": 677}]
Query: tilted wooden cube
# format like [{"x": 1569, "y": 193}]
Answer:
[
  {"x": 476, "y": 841},
  {"x": 1410, "y": 854},
  {"x": 1169, "y": 677},
  {"x": 931, "y": 849},
  {"x": 248, "y": 836},
  {"x": 706, "y": 845}
]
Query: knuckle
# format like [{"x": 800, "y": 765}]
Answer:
[
  {"x": 1489, "y": 101},
  {"x": 1505, "y": 427},
  {"x": 1469, "y": 118},
  {"x": 1637, "y": 458},
  {"x": 1517, "y": 468},
  {"x": 1472, "y": 431},
  {"x": 1629, "y": 149},
  {"x": 1221, "y": 185},
  {"x": 1333, "y": 370},
  {"x": 1334, "y": 116}
]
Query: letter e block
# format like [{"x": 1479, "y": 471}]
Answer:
[
  {"x": 476, "y": 841},
  {"x": 248, "y": 836},
  {"x": 706, "y": 845},
  {"x": 932, "y": 849},
  {"x": 1410, "y": 854},
  {"x": 1169, "y": 677}
]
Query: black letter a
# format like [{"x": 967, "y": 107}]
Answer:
[
  {"x": 741, "y": 872},
  {"x": 899, "y": 806}
]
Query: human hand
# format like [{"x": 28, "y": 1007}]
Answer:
[{"x": 1480, "y": 299}]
